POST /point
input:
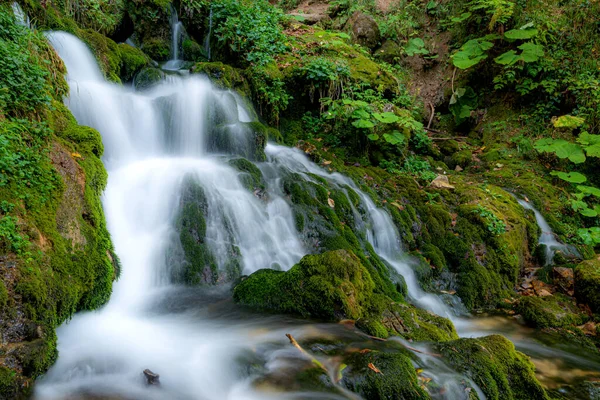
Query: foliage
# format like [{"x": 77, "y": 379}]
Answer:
[
  {"x": 249, "y": 28},
  {"x": 493, "y": 223}
]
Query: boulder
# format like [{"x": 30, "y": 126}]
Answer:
[
  {"x": 441, "y": 182},
  {"x": 365, "y": 30},
  {"x": 564, "y": 279},
  {"x": 587, "y": 284}
]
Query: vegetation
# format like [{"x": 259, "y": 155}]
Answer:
[{"x": 486, "y": 94}]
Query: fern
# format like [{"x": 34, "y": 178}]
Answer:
[{"x": 500, "y": 10}]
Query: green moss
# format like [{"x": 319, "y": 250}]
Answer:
[
  {"x": 397, "y": 378},
  {"x": 330, "y": 286},
  {"x": 147, "y": 77},
  {"x": 157, "y": 49},
  {"x": 587, "y": 284},
  {"x": 223, "y": 75},
  {"x": 250, "y": 176},
  {"x": 3, "y": 295},
  {"x": 495, "y": 366},
  {"x": 132, "y": 61},
  {"x": 106, "y": 52},
  {"x": 10, "y": 385},
  {"x": 416, "y": 324},
  {"x": 192, "y": 51},
  {"x": 556, "y": 311}
]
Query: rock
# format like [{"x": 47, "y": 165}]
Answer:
[
  {"x": 308, "y": 19},
  {"x": 587, "y": 284},
  {"x": 441, "y": 182},
  {"x": 151, "y": 377},
  {"x": 365, "y": 30},
  {"x": 544, "y": 293},
  {"x": 458, "y": 168},
  {"x": 589, "y": 328},
  {"x": 564, "y": 278},
  {"x": 389, "y": 52}
]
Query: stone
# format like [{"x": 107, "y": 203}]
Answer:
[
  {"x": 151, "y": 377},
  {"x": 365, "y": 30},
  {"x": 441, "y": 182},
  {"x": 458, "y": 168},
  {"x": 564, "y": 278}
]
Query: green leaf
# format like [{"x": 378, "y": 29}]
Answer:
[
  {"x": 531, "y": 52},
  {"x": 416, "y": 46},
  {"x": 568, "y": 121},
  {"x": 587, "y": 139},
  {"x": 360, "y": 114},
  {"x": 572, "y": 177},
  {"x": 373, "y": 136},
  {"x": 386, "y": 117},
  {"x": 508, "y": 58},
  {"x": 461, "y": 18},
  {"x": 520, "y": 34},
  {"x": 593, "y": 151},
  {"x": 588, "y": 212},
  {"x": 589, "y": 236},
  {"x": 545, "y": 145},
  {"x": 364, "y": 124},
  {"x": 471, "y": 53},
  {"x": 572, "y": 151},
  {"x": 589, "y": 190},
  {"x": 394, "y": 138}
]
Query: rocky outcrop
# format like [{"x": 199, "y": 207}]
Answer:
[{"x": 365, "y": 30}]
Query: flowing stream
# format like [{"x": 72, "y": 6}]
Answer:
[{"x": 202, "y": 345}]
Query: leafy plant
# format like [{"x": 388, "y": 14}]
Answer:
[
  {"x": 415, "y": 46},
  {"x": 493, "y": 224}
]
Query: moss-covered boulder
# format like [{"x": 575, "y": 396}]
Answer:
[
  {"x": 132, "y": 61},
  {"x": 223, "y": 75},
  {"x": 244, "y": 139},
  {"x": 157, "y": 49},
  {"x": 147, "y": 78},
  {"x": 492, "y": 362},
  {"x": 330, "y": 286},
  {"x": 250, "y": 175},
  {"x": 397, "y": 378},
  {"x": 556, "y": 311},
  {"x": 192, "y": 51},
  {"x": 587, "y": 284}
]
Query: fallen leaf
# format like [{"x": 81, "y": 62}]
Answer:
[
  {"x": 374, "y": 368},
  {"x": 331, "y": 203},
  {"x": 326, "y": 162},
  {"x": 76, "y": 155}
]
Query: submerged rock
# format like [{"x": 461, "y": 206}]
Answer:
[{"x": 151, "y": 377}]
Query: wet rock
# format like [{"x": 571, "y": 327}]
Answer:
[
  {"x": 151, "y": 377},
  {"x": 441, "y": 182},
  {"x": 364, "y": 30},
  {"x": 564, "y": 278},
  {"x": 587, "y": 284}
]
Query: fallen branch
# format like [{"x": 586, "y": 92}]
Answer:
[
  {"x": 449, "y": 138},
  {"x": 431, "y": 116},
  {"x": 304, "y": 352},
  {"x": 432, "y": 130}
]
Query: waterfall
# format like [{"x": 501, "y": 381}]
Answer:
[
  {"x": 547, "y": 238},
  {"x": 208, "y": 36},
  {"x": 177, "y": 32},
  {"x": 155, "y": 141},
  {"x": 22, "y": 18}
]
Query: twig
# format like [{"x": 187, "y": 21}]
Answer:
[
  {"x": 422, "y": 352},
  {"x": 304, "y": 352},
  {"x": 431, "y": 116},
  {"x": 440, "y": 139},
  {"x": 432, "y": 130},
  {"x": 453, "y": 75}
]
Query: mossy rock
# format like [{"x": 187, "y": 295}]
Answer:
[
  {"x": 329, "y": 286},
  {"x": 587, "y": 284},
  {"x": 223, "y": 75},
  {"x": 250, "y": 176},
  {"x": 389, "y": 52},
  {"x": 244, "y": 139},
  {"x": 192, "y": 51},
  {"x": 132, "y": 61},
  {"x": 12, "y": 386},
  {"x": 147, "y": 77},
  {"x": 556, "y": 311},
  {"x": 492, "y": 362},
  {"x": 396, "y": 380},
  {"x": 106, "y": 52},
  {"x": 157, "y": 49}
]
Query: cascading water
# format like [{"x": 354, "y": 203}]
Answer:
[
  {"x": 155, "y": 142},
  {"x": 22, "y": 18},
  {"x": 547, "y": 238},
  {"x": 177, "y": 33},
  {"x": 208, "y": 35}
]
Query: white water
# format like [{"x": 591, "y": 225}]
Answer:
[
  {"x": 547, "y": 238},
  {"x": 22, "y": 18},
  {"x": 378, "y": 225},
  {"x": 177, "y": 33},
  {"x": 208, "y": 36}
]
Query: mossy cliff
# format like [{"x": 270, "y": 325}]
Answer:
[{"x": 56, "y": 254}]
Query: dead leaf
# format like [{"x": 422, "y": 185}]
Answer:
[
  {"x": 331, "y": 202},
  {"x": 326, "y": 162},
  {"x": 374, "y": 368},
  {"x": 76, "y": 155}
]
